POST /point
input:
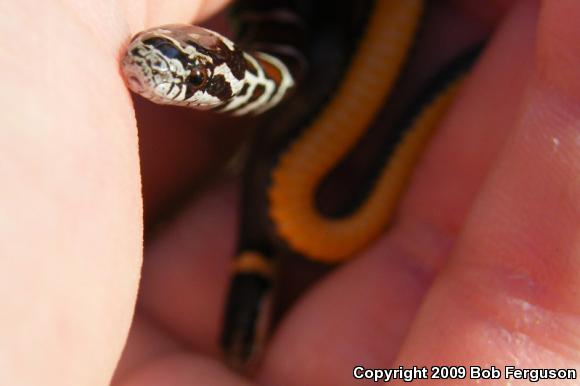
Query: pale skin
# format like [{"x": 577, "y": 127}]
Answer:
[{"x": 481, "y": 267}]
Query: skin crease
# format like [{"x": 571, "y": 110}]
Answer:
[{"x": 480, "y": 267}]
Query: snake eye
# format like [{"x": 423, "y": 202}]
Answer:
[
  {"x": 197, "y": 77},
  {"x": 166, "y": 47}
]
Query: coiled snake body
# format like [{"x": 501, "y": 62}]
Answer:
[{"x": 325, "y": 68}]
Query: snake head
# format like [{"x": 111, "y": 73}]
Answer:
[{"x": 183, "y": 65}]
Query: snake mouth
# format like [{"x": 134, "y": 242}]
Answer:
[
  {"x": 135, "y": 84},
  {"x": 141, "y": 82},
  {"x": 161, "y": 93},
  {"x": 136, "y": 79}
]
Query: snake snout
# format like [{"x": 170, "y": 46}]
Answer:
[{"x": 136, "y": 79}]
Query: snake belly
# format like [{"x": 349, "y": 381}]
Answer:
[{"x": 319, "y": 71}]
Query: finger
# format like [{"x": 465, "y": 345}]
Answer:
[
  {"x": 186, "y": 269},
  {"x": 183, "y": 369},
  {"x": 159, "y": 12},
  {"x": 370, "y": 303},
  {"x": 70, "y": 200},
  {"x": 110, "y": 24},
  {"x": 509, "y": 295},
  {"x": 147, "y": 342},
  {"x": 153, "y": 357}
]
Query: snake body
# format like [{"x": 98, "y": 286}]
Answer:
[{"x": 299, "y": 59}]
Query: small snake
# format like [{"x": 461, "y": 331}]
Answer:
[
  {"x": 190, "y": 66},
  {"x": 299, "y": 59}
]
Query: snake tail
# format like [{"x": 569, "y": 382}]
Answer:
[{"x": 248, "y": 310}]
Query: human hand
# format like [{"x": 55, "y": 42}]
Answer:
[{"x": 480, "y": 267}]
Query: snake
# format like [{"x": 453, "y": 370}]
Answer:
[{"x": 318, "y": 73}]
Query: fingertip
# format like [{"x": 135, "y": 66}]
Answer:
[
  {"x": 508, "y": 295},
  {"x": 160, "y": 12},
  {"x": 185, "y": 272},
  {"x": 181, "y": 369}
]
